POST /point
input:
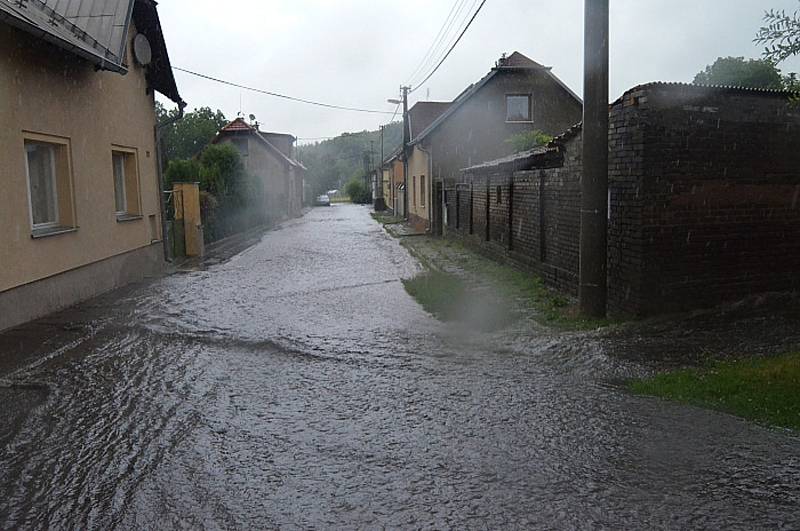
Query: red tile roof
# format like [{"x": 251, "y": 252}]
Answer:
[{"x": 237, "y": 125}]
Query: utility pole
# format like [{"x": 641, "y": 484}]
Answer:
[
  {"x": 406, "y": 141},
  {"x": 380, "y": 203},
  {"x": 594, "y": 184}
]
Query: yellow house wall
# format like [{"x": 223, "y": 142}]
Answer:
[
  {"x": 418, "y": 167},
  {"x": 47, "y": 91}
]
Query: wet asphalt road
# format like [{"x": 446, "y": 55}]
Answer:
[{"x": 298, "y": 386}]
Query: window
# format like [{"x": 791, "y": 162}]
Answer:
[
  {"x": 414, "y": 190},
  {"x": 42, "y": 182},
  {"x": 126, "y": 184},
  {"x": 422, "y": 190},
  {"x": 518, "y": 108},
  {"x": 49, "y": 184}
]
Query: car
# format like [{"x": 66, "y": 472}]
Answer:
[{"x": 323, "y": 200}]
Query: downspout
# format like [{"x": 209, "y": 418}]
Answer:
[{"x": 162, "y": 202}]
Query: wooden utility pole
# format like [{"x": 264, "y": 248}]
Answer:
[
  {"x": 406, "y": 142},
  {"x": 594, "y": 184}
]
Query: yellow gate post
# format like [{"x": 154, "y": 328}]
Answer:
[{"x": 187, "y": 212}]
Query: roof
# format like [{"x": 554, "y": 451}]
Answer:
[
  {"x": 94, "y": 29},
  {"x": 705, "y": 88},
  {"x": 424, "y": 113},
  {"x": 97, "y": 31},
  {"x": 239, "y": 125},
  {"x": 516, "y": 61}
]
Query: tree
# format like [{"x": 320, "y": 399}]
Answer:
[
  {"x": 780, "y": 35},
  {"x": 188, "y": 136},
  {"x": 736, "y": 71}
]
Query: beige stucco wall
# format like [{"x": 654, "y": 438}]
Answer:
[
  {"x": 417, "y": 167},
  {"x": 47, "y": 91}
]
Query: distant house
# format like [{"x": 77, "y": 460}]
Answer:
[
  {"x": 81, "y": 207},
  {"x": 270, "y": 157},
  {"x": 394, "y": 183},
  {"x": 516, "y": 96}
]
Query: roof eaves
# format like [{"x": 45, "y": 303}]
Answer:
[{"x": 92, "y": 52}]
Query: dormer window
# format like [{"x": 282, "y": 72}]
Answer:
[{"x": 518, "y": 108}]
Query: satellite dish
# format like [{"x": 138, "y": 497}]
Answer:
[
  {"x": 141, "y": 50},
  {"x": 252, "y": 117}
]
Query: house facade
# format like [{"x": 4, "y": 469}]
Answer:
[
  {"x": 271, "y": 158},
  {"x": 518, "y": 95},
  {"x": 81, "y": 202}
]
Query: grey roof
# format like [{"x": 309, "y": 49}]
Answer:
[
  {"x": 93, "y": 29},
  {"x": 515, "y": 161}
]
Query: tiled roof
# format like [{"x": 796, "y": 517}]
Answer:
[
  {"x": 237, "y": 125},
  {"x": 517, "y": 60},
  {"x": 699, "y": 87}
]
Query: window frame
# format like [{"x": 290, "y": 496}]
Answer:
[
  {"x": 119, "y": 156},
  {"x": 132, "y": 192},
  {"x": 53, "y": 186},
  {"x": 64, "y": 184},
  {"x": 529, "y": 96}
]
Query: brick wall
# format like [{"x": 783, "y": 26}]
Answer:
[
  {"x": 532, "y": 216},
  {"x": 705, "y": 188},
  {"x": 704, "y": 195}
]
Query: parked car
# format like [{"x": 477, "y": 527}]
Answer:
[{"x": 323, "y": 200}]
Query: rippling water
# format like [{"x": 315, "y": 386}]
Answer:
[{"x": 297, "y": 385}]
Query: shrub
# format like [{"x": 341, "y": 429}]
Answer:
[
  {"x": 528, "y": 140},
  {"x": 358, "y": 192}
]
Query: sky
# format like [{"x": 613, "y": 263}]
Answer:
[{"x": 357, "y": 53}]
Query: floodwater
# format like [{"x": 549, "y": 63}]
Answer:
[{"x": 297, "y": 385}]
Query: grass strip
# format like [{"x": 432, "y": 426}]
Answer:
[{"x": 765, "y": 390}]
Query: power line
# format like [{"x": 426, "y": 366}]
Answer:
[
  {"x": 451, "y": 48},
  {"x": 457, "y": 24},
  {"x": 437, "y": 40},
  {"x": 277, "y": 95}
]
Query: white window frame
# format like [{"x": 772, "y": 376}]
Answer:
[
  {"x": 53, "y": 185},
  {"x": 124, "y": 183},
  {"x": 530, "y": 108}
]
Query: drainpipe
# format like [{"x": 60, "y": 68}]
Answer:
[{"x": 162, "y": 202}]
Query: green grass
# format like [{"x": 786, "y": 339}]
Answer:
[
  {"x": 765, "y": 390},
  {"x": 551, "y": 308}
]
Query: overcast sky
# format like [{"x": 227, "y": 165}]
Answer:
[{"x": 358, "y": 52}]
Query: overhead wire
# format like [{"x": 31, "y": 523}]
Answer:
[
  {"x": 463, "y": 32},
  {"x": 278, "y": 95},
  {"x": 444, "y": 30}
]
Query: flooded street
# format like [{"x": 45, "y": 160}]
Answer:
[{"x": 297, "y": 385}]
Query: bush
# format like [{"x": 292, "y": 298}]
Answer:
[
  {"x": 529, "y": 140},
  {"x": 358, "y": 192}
]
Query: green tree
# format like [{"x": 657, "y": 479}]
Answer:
[
  {"x": 741, "y": 72},
  {"x": 780, "y": 35},
  {"x": 358, "y": 191},
  {"x": 528, "y": 140},
  {"x": 188, "y": 136}
]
